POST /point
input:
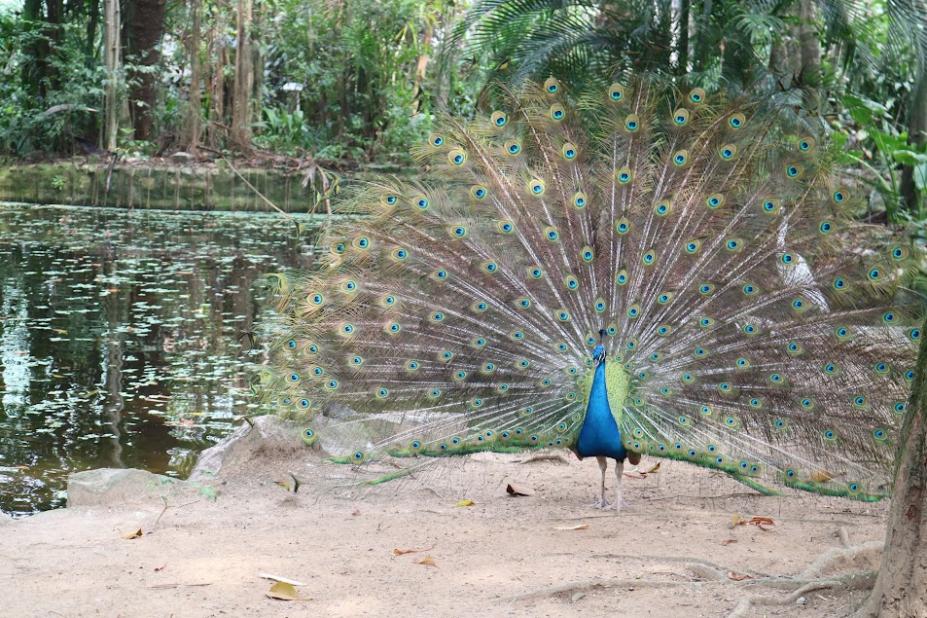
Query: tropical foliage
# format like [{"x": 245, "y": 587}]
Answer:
[{"x": 356, "y": 81}]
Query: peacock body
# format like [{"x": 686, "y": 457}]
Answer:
[{"x": 638, "y": 270}]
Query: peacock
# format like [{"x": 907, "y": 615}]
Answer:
[{"x": 642, "y": 269}]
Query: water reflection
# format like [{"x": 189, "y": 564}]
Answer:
[{"x": 124, "y": 337}]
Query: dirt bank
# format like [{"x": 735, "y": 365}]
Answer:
[{"x": 671, "y": 552}]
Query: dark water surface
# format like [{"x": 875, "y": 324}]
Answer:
[{"x": 124, "y": 337}]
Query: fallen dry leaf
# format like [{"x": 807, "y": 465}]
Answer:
[
  {"x": 576, "y": 527},
  {"x": 821, "y": 476},
  {"x": 465, "y": 502},
  {"x": 738, "y": 577},
  {"x": 655, "y": 468},
  {"x": 160, "y": 568},
  {"x": 283, "y": 592},
  {"x": 427, "y": 561},
  {"x": 134, "y": 534},
  {"x": 759, "y": 521},
  {"x": 400, "y": 551},
  {"x": 728, "y": 541},
  {"x": 517, "y": 490}
]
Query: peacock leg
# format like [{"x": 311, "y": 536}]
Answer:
[
  {"x": 619, "y": 470},
  {"x": 603, "y": 466}
]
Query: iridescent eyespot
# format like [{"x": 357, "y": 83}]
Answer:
[
  {"x": 499, "y": 119},
  {"x": 505, "y": 227},
  {"x": 568, "y": 151},
  {"x": 662, "y": 209},
  {"x": 391, "y": 199},
  {"x": 624, "y": 175},
  {"x": 616, "y": 92},
  {"x": 436, "y": 140},
  {"x": 478, "y": 192},
  {"x": 680, "y": 158},
  {"x": 622, "y": 226},
  {"x": 736, "y": 121},
  {"x": 728, "y": 151},
  {"x": 536, "y": 187},
  {"x": 551, "y": 234},
  {"x": 839, "y": 196},
  {"x": 793, "y": 170},
  {"x": 825, "y": 227},
  {"x": 632, "y": 123},
  {"x": 714, "y": 201},
  {"x": 457, "y": 156},
  {"x": 551, "y": 85},
  {"x": 579, "y": 200},
  {"x": 556, "y": 112},
  {"x": 696, "y": 95},
  {"x": 681, "y": 117},
  {"x": 512, "y": 148},
  {"x": 309, "y": 436}
]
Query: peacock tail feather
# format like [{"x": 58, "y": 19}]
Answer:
[{"x": 751, "y": 325}]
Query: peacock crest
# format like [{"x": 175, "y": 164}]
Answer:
[{"x": 692, "y": 260}]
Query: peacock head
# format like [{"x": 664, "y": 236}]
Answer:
[{"x": 598, "y": 353}]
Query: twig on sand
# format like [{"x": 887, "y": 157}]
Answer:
[
  {"x": 167, "y": 586},
  {"x": 164, "y": 510},
  {"x": 552, "y": 457}
]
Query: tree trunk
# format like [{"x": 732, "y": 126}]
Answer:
[
  {"x": 194, "y": 103},
  {"x": 704, "y": 46},
  {"x": 784, "y": 55},
  {"x": 145, "y": 29},
  {"x": 244, "y": 79},
  {"x": 810, "y": 75},
  {"x": 111, "y": 44},
  {"x": 917, "y": 135},
  {"x": 900, "y": 590},
  {"x": 682, "y": 38}
]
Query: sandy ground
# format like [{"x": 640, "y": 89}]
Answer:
[{"x": 670, "y": 552}]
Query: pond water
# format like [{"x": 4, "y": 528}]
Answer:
[{"x": 127, "y": 337}]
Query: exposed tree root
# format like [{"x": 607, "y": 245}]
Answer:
[
  {"x": 812, "y": 578},
  {"x": 704, "y": 573},
  {"x": 853, "y": 581}
]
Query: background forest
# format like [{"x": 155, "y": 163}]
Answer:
[{"x": 351, "y": 82}]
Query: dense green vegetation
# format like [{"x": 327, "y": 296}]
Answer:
[{"x": 354, "y": 81}]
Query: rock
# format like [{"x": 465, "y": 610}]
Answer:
[
  {"x": 112, "y": 486},
  {"x": 270, "y": 438},
  {"x": 182, "y": 156}
]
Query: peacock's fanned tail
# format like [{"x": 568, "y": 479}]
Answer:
[{"x": 751, "y": 326}]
